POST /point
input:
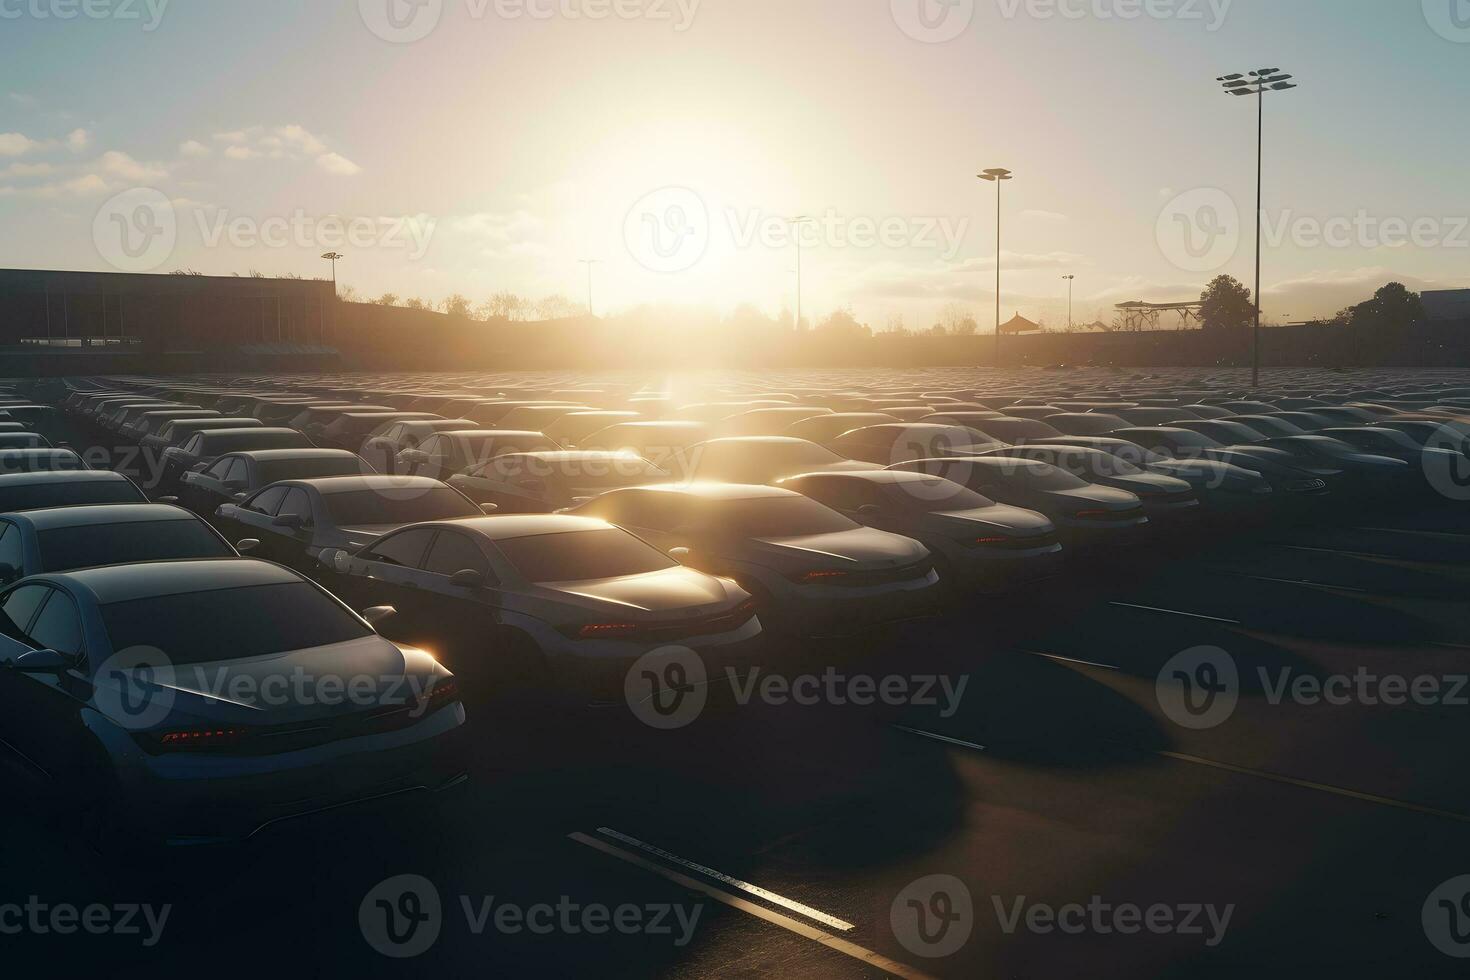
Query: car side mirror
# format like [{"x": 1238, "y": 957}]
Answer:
[
  {"x": 42, "y": 662},
  {"x": 198, "y": 467},
  {"x": 247, "y": 545},
  {"x": 168, "y": 500},
  {"x": 413, "y": 457},
  {"x": 681, "y": 555},
  {"x": 291, "y": 522},
  {"x": 8, "y": 574},
  {"x": 490, "y": 508},
  {"x": 870, "y": 510},
  {"x": 377, "y": 614},
  {"x": 467, "y": 578}
]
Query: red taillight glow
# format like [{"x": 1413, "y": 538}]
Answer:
[
  {"x": 201, "y": 738},
  {"x": 443, "y": 691},
  {"x": 983, "y": 541},
  {"x": 593, "y": 631},
  {"x": 1093, "y": 515},
  {"x": 823, "y": 575}
]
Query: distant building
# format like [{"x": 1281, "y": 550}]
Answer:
[
  {"x": 57, "y": 313},
  {"x": 1019, "y": 324},
  {"x": 1447, "y": 304}
]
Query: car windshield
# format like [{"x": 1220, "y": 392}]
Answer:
[
  {"x": 935, "y": 495},
  {"x": 779, "y": 517},
  {"x": 398, "y": 505},
  {"x": 65, "y": 548},
  {"x": 1185, "y": 439},
  {"x": 580, "y": 556},
  {"x": 230, "y": 624},
  {"x": 309, "y": 469},
  {"x": 1040, "y": 476}
]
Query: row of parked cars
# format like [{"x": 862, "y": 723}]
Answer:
[{"x": 550, "y": 537}]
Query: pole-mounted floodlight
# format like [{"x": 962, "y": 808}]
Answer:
[
  {"x": 797, "y": 222},
  {"x": 589, "y": 263},
  {"x": 1258, "y": 83},
  {"x": 1070, "y": 280},
  {"x": 997, "y": 176}
]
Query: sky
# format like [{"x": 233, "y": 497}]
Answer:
[{"x": 478, "y": 146}]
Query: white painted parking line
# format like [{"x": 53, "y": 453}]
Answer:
[
  {"x": 1296, "y": 581},
  {"x": 837, "y": 944},
  {"x": 1176, "y": 612},
  {"x": 1351, "y": 794},
  {"x": 745, "y": 886},
  {"x": 1449, "y": 535},
  {"x": 940, "y": 738},
  {"x": 1068, "y": 660}
]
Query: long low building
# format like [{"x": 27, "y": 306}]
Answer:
[{"x": 46, "y": 315}]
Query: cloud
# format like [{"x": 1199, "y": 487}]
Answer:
[
  {"x": 1046, "y": 217},
  {"x": 27, "y": 170},
  {"x": 119, "y": 164},
  {"x": 237, "y": 152},
  {"x": 335, "y": 163},
  {"x": 78, "y": 140},
  {"x": 193, "y": 148},
  {"x": 296, "y": 136},
  {"x": 16, "y": 144}
]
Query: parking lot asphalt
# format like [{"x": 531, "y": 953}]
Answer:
[{"x": 1061, "y": 797}]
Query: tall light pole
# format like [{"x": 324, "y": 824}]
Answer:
[
  {"x": 334, "y": 256},
  {"x": 797, "y": 223},
  {"x": 321, "y": 324},
  {"x": 1258, "y": 83},
  {"x": 998, "y": 176},
  {"x": 589, "y": 263},
  {"x": 1070, "y": 280}
]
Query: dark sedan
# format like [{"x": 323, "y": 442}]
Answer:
[
  {"x": 64, "y": 538},
  {"x": 235, "y": 476},
  {"x": 66, "y": 488},
  {"x": 540, "y": 483}
]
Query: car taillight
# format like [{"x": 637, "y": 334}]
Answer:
[
  {"x": 601, "y": 631},
  {"x": 821, "y": 575},
  {"x": 745, "y": 610},
  {"x": 195, "y": 739},
  {"x": 443, "y": 690},
  {"x": 1093, "y": 515},
  {"x": 987, "y": 542}
]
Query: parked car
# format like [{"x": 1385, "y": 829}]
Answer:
[
  {"x": 823, "y": 429},
  {"x": 766, "y": 459},
  {"x": 40, "y": 460},
  {"x": 811, "y": 569},
  {"x": 203, "y": 448},
  {"x": 235, "y": 476},
  {"x": 179, "y": 431},
  {"x": 296, "y": 519},
  {"x": 564, "y": 603},
  {"x": 1166, "y": 498},
  {"x": 444, "y": 454},
  {"x": 111, "y": 695},
  {"x": 570, "y": 429},
  {"x": 900, "y": 441},
  {"x": 23, "y": 440},
  {"x": 541, "y": 483},
  {"x": 1085, "y": 513},
  {"x": 381, "y": 449},
  {"x": 665, "y": 444},
  {"x": 978, "y": 545},
  {"x": 60, "y": 539}
]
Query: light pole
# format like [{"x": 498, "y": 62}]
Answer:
[
  {"x": 321, "y": 325},
  {"x": 589, "y": 263},
  {"x": 334, "y": 256},
  {"x": 1258, "y": 83},
  {"x": 1070, "y": 280},
  {"x": 797, "y": 223},
  {"x": 998, "y": 176}
]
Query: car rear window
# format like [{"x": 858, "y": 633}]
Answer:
[
  {"x": 398, "y": 506},
  {"x": 780, "y": 517},
  {"x": 65, "y": 548},
  {"x": 69, "y": 495},
  {"x": 308, "y": 469},
  {"x": 579, "y": 556},
  {"x": 228, "y": 624}
]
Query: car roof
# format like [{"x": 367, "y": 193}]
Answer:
[
  {"x": 49, "y": 519},
  {"x": 885, "y": 477},
  {"x": 502, "y": 528},
  {"x": 214, "y": 435},
  {"x": 277, "y": 455},
  {"x": 347, "y": 484},
  {"x": 122, "y": 583},
  {"x": 61, "y": 476},
  {"x": 716, "y": 491},
  {"x": 571, "y": 456}
]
